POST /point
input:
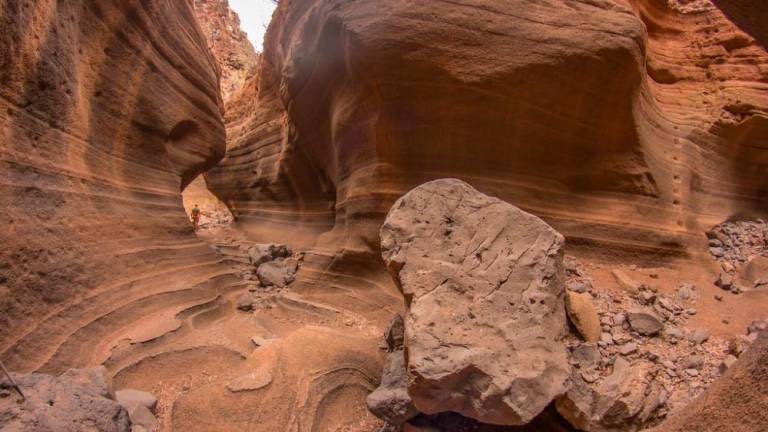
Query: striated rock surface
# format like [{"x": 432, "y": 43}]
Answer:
[
  {"x": 234, "y": 53},
  {"x": 108, "y": 109},
  {"x": 483, "y": 285},
  {"x": 629, "y": 125}
]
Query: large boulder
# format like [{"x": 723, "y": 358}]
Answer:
[
  {"x": 78, "y": 400},
  {"x": 483, "y": 283},
  {"x": 279, "y": 273}
]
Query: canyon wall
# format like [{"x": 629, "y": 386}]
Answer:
[
  {"x": 235, "y": 55},
  {"x": 108, "y": 109},
  {"x": 630, "y": 126}
]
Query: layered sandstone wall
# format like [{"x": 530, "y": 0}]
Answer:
[
  {"x": 632, "y": 126},
  {"x": 108, "y": 110},
  {"x": 235, "y": 55}
]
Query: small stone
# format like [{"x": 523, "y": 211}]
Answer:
[
  {"x": 654, "y": 275},
  {"x": 628, "y": 349},
  {"x": 129, "y": 397},
  {"x": 625, "y": 282},
  {"x": 647, "y": 297},
  {"x": 717, "y": 252},
  {"x": 253, "y": 381},
  {"x": 735, "y": 289},
  {"x": 583, "y": 314},
  {"x": 673, "y": 333},
  {"x": 671, "y": 373},
  {"x": 644, "y": 323},
  {"x": 692, "y": 372},
  {"x": 665, "y": 303},
  {"x": 668, "y": 364},
  {"x": 579, "y": 287},
  {"x": 693, "y": 362},
  {"x": 698, "y": 336},
  {"x": 727, "y": 362},
  {"x": 590, "y": 376},
  {"x": 619, "y": 319},
  {"x": 718, "y": 297},
  {"x": 724, "y": 280},
  {"x": 245, "y": 302},
  {"x": 606, "y": 338},
  {"x": 691, "y": 311}
]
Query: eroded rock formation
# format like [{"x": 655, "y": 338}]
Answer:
[
  {"x": 632, "y": 125},
  {"x": 108, "y": 111}
]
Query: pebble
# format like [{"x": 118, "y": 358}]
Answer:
[
  {"x": 579, "y": 287},
  {"x": 689, "y": 372},
  {"x": 668, "y": 364},
  {"x": 691, "y": 311},
  {"x": 628, "y": 349},
  {"x": 698, "y": 336},
  {"x": 718, "y": 297},
  {"x": 727, "y": 362},
  {"x": 619, "y": 319},
  {"x": 606, "y": 338}
]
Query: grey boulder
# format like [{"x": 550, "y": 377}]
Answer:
[
  {"x": 78, "y": 400},
  {"x": 484, "y": 287}
]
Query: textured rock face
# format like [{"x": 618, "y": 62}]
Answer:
[
  {"x": 484, "y": 285},
  {"x": 107, "y": 109},
  {"x": 630, "y": 124},
  {"x": 228, "y": 43},
  {"x": 76, "y": 401}
]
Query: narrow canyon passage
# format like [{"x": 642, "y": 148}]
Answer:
[{"x": 634, "y": 130}]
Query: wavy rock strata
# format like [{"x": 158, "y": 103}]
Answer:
[
  {"x": 108, "y": 110},
  {"x": 630, "y": 125}
]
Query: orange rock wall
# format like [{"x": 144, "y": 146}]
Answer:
[
  {"x": 107, "y": 109},
  {"x": 628, "y": 125}
]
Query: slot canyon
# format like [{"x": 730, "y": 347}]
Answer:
[{"x": 410, "y": 215}]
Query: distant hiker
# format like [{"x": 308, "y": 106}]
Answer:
[{"x": 196, "y": 216}]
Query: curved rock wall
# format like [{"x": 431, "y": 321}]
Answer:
[
  {"x": 108, "y": 109},
  {"x": 628, "y": 125}
]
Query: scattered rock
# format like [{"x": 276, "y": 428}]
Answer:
[
  {"x": 255, "y": 380},
  {"x": 246, "y": 301},
  {"x": 262, "y": 253},
  {"x": 627, "y": 349},
  {"x": 129, "y": 397},
  {"x": 508, "y": 370},
  {"x": 259, "y": 341},
  {"x": 724, "y": 280},
  {"x": 626, "y": 399},
  {"x": 645, "y": 323},
  {"x": 583, "y": 315},
  {"x": 625, "y": 282},
  {"x": 395, "y": 334},
  {"x": 278, "y": 273},
  {"x": 586, "y": 356},
  {"x": 727, "y": 362},
  {"x": 390, "y": 401},
  {"x": 698, "y": 336},
  {"x": 578, "y": 287},
  {"x": 141, "y": 416}
]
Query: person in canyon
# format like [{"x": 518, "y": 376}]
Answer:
[{"x": 196, "y": 216}]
